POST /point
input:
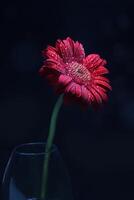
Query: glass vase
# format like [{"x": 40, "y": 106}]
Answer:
[{"x": 23, "y": 174}]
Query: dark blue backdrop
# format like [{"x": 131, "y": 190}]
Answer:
[{"x": 97, "y": 147}]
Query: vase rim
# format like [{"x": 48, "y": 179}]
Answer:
[{"x": 28, "y": 149}]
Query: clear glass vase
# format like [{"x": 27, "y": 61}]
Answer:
[{"x": 23, "y": 174}]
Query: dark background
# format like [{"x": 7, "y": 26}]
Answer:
[{"x": 97, "y": 147}]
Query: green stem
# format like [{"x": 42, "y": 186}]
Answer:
[{"x": 49, "y": 146}]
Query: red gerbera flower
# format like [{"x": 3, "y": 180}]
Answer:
[{"x": 78, "y": 77}]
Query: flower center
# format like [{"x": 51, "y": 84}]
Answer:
[{"x": 79, "y": 73}]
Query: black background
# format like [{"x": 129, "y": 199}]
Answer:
[{"x": 98, "y": 147}]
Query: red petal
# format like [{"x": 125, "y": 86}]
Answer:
[
  {"x": 41, "y": 71},
  {"x": 70, "y": 88},
  {"x": 64, "y": 80},
  {"x": 93, "y": 60},
  {"x": 74, "y": 89},
  {"x": 51, "y": 53},
  {"x": 101, "y": 92},
  {"x": 96, "y": 95},
  {"x": 53, "y": 64},
  {"x": 65, "y": 49},
  {"x": 70, "y": 50},
  {"x": 78, "y": 90},
  {"x": 44, "y": 71},
  {"x": 60, "y": 46},
  {"x": 85, "y": 93},
  {"x": 102, "y": 78},
  {"x": 104, "y": 96},
  {"x": 52, "y": 78},
  {"x": 79, "y": 53},
  {"x": 91, "y": 97},
  {"x": 99, "y": 88},
  {"x": 100, "y": 71},
  {"x": 103, "y": 83},
  {"x": 71, "y": 42}
]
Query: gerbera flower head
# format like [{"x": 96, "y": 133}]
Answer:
[{"x": 80, "y": 78}]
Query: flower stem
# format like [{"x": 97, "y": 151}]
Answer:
[{"x": 49, "y": 144}]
